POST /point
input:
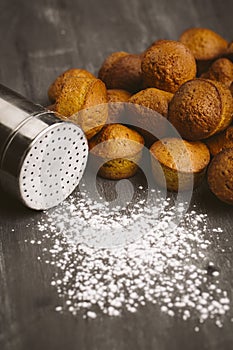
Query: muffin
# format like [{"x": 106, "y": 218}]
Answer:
[
  {"x": 116, "y": 151},
  {"x": 108, "y": 64},
  {"x": 122, "y": 71},
  {"x": 150, "y": 118},
  {"x": 220, "y": 141},
  {"x": 116, "y": 109},
  {"x": 167, "y": 65},
  {"x": 220, "y": 176},
  {"x": 75, "y": 102},
  {"x": 200, "y": 109},
  {"x": 178, "y": 165},
  {"x": 205, "y": 45},
  {"x": 56, "y": 87},
  {"x": 221, "y": 70}
]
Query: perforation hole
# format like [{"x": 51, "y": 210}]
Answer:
[{"x": 52, "y": 157}]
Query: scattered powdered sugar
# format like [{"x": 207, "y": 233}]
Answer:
[{"x": 116, "y": 260}]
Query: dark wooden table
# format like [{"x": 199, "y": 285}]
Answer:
[{"x": 40, "y": 39}]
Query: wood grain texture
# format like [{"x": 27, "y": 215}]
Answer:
[{"x": 39, "y": 40}]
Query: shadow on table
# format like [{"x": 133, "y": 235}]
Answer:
[
  {"x": 202, "y": 197},
  {"x": 12, "y": 208},
  {"x": 205, "y": 200}
]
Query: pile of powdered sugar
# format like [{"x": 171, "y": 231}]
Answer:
[{"x": 113, "y": 260}]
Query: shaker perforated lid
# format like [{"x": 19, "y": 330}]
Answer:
[{"x": 43, "y": 159}]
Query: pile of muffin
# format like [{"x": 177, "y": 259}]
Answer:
[{"x": 188, "y": 83}]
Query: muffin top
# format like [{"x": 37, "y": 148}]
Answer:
[
  {"x": 220, "y": 175},
  {"x": 75, "y": 102},
  {"x": 56, "y": 87},
  {"x": 79, "y": 94},
  {"x": 116, "y": 141},
  {"x": 153, "y": 98},
  {"x": 200, "y": 108},
  {"x": 122, "y": 71},
  {"x": 167, "y": 65},
  {"x": 221, "y": 70},
  {"x": 181, "y": 155},
  {"x": 109, "y": 63},
  {"x": 204, "y": 43}
]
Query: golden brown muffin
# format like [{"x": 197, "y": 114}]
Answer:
[
  {"x": 205, "y": 45},
  {"x": 220, "y": 141},
  {"x": 56, "y": 87},
  {"x": 200, "y": 109},
  {"x": 167, "y": 65},
  {"x": 220, "y": 176},
  {"x": 177, "y": 164},
  {"x": 75, "y": 102},
  {"x": 153, "y": 98},
  {"x": 122, "y": 71},
  {"x": 116, "y": 109},
  {"x": 117, "y": 150},
  {"x": 157, "y": 100},
  {"x": 108, "y": 64},
  {"x": 221, "y": 70}
]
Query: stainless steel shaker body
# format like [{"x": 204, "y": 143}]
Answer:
[{"x": 42, "y": 158}]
